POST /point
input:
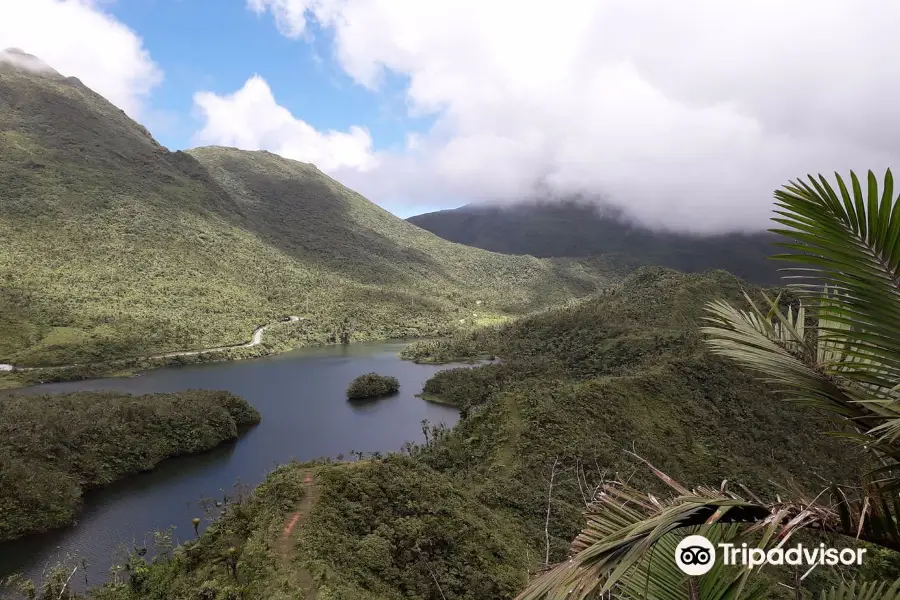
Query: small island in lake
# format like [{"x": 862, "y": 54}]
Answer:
[{"x": 372, "y": 385}]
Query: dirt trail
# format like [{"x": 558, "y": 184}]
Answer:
[
  {"x": 506, "y": 455},
  {"x": 284, "y": 545},
  {"x": 255, "y": 340},
  {"x": 290, "y": 526}
]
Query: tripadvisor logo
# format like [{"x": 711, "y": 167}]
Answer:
[{"x": 696, "y": 555}]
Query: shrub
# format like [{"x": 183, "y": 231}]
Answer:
[{"x": 372, "y": 385}]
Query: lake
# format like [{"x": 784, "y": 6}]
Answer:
[{"x": 305, "y": 415}]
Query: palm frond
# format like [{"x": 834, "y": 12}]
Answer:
[
  {"x": 628, "y": 547},
  {"x": 863, "y": 591},
  {"x": 805, "y": 367},
  {"x": 824, "y": 372},
  {"x": 628, "y": 543},
  {"x": 657, "y": 576},
  {"x": 850, "y": 241}
]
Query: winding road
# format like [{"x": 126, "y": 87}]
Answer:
[{"x": 255, "y": 340}]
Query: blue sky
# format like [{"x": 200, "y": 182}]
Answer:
[
  {"x": 216, "y": 46},
  {"x": 672, "y": 111}
]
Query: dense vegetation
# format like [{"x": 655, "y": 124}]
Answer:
[
  {"x": 580, "y": 228},
  {"x": 834, "y": 350},
  {"x": 466, "y": 514},
  {"x": 53, "y": 448},
  {"x": 113, "y": 246},
  {"x": 372, "y": 385}
]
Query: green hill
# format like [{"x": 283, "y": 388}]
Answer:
[
  {"x": 54, "y": 448},
  {"x": 466, "y": 516},
  {"x": 114, "y": 247},
  {"x": 578, "y": 229}
]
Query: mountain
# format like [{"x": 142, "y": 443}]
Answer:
[
  {"x": 115, "y": 247},
  {"x": 579, "y": 228}
]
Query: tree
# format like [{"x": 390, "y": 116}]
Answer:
[{"x": 835, "y": 348}]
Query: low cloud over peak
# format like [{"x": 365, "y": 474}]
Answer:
[
  {"x": 77, "y": 38},
  {"x": 685, "y": 115},
  {"x": 28, "y": 62}
]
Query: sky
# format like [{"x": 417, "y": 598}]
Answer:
[{"x": 687, "y": 115}]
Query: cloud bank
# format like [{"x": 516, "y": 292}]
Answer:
[
  {"x": 78, "y": 39},
  {"x": 685, "y": 114}
]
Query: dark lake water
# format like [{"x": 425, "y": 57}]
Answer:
[{"x": 305, "y": 415}]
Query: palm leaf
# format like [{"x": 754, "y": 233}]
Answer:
[
  {"x": 851, "y": 239},
  {"x": 628, "y": 548},
  {"x": 628, "y": 544},
  {"x": 807, "y": 368},
  {"x": 863, "y": 591},
  {"x": 657, "y": 576},
  {"x": 824, "y": 372}
]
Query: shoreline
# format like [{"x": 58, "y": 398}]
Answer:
[
  {"x": 255, "y": 340},
  {"x": 133, "y": 367},
  {"x": 27, "y": 522}
]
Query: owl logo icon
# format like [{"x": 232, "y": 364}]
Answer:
[{"x": 695, "y": 555}]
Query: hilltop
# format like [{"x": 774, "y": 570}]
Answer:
[
  {"x": 580, "y": 228},
  {"x": 116, "y": 247},
  {"x": 466, "y": 515}
]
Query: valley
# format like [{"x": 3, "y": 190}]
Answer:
[
  {"x": 119, "y": 257},
  {"x": 577, "y": 390},
  {"x": 154, "y": 252},
  {"x": 304, "y": 416}
]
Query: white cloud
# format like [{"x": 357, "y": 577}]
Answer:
[
  {"x": 687, "y": 114},
  {"x": 78, "y": 39},
  {"x": 251, "y": 119},
  {"x": 290, "y": 16}
]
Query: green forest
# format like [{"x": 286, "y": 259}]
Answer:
[
  {"x": 54, "y": 448},
  {"x": 576, "y": 392}
]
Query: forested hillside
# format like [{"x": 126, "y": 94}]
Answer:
[
  {"x": 115, "y": 247},
  {"x": 580, "y": 228},
  {"x": 466, "y": 515},
  {"x": 55, "y": 448}
]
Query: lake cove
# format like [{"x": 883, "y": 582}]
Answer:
[{"x": 305, "y": 414}]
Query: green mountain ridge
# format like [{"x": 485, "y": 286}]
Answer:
[
  {"x": 580, "y": 228},
  {"x": 115, "y": 247}
]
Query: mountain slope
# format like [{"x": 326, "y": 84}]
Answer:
[
  {"x": 578, "y": 229},
  {"x": 114, "y": 246},
  {"x": 316, "y": 220}
]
